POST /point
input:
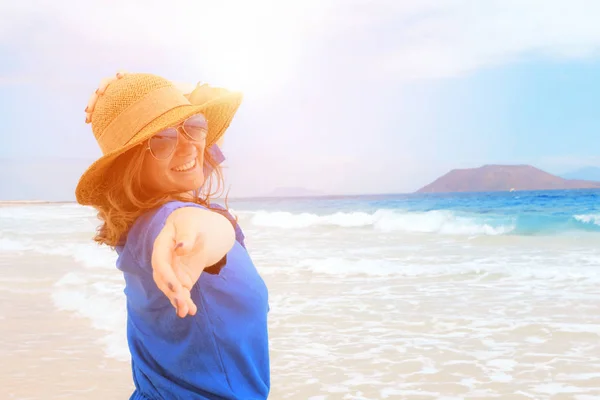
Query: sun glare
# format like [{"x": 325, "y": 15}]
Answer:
[{"x": 252, "y": 46}]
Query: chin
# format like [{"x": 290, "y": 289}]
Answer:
[
  {"x": 190, "y": 183},
  {"x": 198, "y": 184}
]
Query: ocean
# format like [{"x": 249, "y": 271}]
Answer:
[{"x": 445, "y": 296}]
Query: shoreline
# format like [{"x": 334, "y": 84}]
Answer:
[
  {"x": 336, "y": 196},
  {"x": 33, "y": 202}
]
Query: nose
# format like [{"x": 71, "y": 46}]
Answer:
[{"x": 185, "y": 147}]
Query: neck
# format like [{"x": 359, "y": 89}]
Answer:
[
  {"x": 188, "y": 195},
  {"x": 192, "y": 195}
]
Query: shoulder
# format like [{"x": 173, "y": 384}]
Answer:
[
  {"x": 155, "y": 219},
  {"x": 239, "y": 234}
]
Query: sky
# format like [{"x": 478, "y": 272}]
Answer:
[{"x": 341, "y": 96}]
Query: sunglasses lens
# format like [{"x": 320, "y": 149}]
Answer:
[
  {"x": 163, "y": 143},
  {"x": 196, "y": 127}
]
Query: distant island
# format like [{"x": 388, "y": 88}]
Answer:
[
  {"x": 294, "y": 192},
  {"x": 496, "y": 178},
  {"x": 586, "y": 173}
]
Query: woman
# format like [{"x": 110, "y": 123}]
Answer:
[{"x": 196, "y": 306}]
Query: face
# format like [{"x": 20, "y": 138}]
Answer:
[{"x": 175, "y": 158}]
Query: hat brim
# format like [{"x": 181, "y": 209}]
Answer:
[{"x": 219, "y": 112}]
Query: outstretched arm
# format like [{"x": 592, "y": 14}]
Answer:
[{"x": 191, "y": 240}]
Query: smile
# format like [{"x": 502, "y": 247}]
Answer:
[{"x": 185, "y": 167}]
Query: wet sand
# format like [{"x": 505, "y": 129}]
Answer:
[
  {"x": 465, "y": 336},
  {"x": 46, "y": 353}
]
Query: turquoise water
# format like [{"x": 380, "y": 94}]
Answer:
[{"x": 517, "y": 213}]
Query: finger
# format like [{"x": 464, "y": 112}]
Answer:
[
  {"x": 178, "y": 304},
  {"x": 190, "y": 302},
  {"x": 184, "y": 305},
  {"x": 162, "y": 256},
  {"x": 170, "y": 291},
  {"x": 182, "y": 308},
  {"x": 186, "y": 281},
  {"x": 174, "y": 304},
  {"x": 181, "y": 273},
  {"x": 192, "y": 307},
  {"x": 166, "y": 280}
]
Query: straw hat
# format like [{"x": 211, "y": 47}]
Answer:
[{"x": 135, "y": 107}]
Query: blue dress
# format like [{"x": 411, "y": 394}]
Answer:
[{"x": 219, "y": 353}]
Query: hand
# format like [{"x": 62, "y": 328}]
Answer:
[{"x": 178, "y": 258}]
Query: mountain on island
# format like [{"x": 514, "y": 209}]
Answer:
[{"x": 495, "y": 178}]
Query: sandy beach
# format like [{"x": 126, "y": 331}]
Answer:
[{"x": 48, "y": 353}]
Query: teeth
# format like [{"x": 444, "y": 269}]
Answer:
[{"x": 186, "y": 166}]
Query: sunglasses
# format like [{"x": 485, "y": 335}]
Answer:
[{"x": 163, "y": 144}]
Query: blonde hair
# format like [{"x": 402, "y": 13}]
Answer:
[{"x": 124, "y": 199}]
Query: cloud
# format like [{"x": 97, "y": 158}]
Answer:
[
  {"x": 452, "y": 38},
  {"x": 239, "y": 43},
  {"x": 437, "y": 39},
  {"x": 263, "y": 41}
]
